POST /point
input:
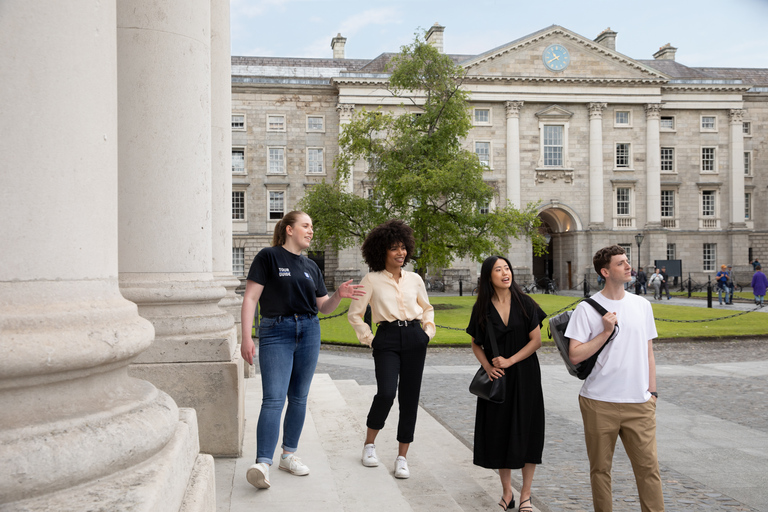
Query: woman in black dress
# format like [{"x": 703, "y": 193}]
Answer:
[{"x": 509, "y": 435}]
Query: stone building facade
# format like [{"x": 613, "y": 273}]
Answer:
[{"x": 609, "y": 146}]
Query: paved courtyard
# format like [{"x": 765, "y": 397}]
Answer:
[{"x": 715, "y": 462}]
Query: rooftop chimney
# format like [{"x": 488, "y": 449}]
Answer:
[
  {"x": 607, "y": 38},
  {"x": 666, "y": 52},
  {"x": 435, "y": 36},
  {"x": 337, "y": 45}
]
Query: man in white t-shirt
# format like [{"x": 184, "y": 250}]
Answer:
[{"x": 619, "y": 397}]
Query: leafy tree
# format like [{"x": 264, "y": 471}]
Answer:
[{"x": 418, "y": 171}]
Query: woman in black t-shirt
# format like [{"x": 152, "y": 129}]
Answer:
[{"x": 290, "y": 290}]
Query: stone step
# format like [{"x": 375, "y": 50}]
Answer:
[{"x": 442, "y": 474}]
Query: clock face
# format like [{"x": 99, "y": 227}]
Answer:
[{"x": 556, "y": 57}]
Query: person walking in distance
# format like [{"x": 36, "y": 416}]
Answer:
[
  {"x": 759, "y": 285},
  {"x": 618, "y": 399},
  {"x": 664, "y": 283},
  {"x": 655, "y": 283},
  {"x": 405, "y": 318},
  {"x": 640, "y": 282},
  {"x": 290, "y": 290}
]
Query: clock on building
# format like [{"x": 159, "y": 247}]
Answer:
[{"x": 556, "y": 57}]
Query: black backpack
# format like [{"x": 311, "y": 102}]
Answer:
[{"x": 557, "y": 326}]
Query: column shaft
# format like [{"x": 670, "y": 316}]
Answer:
[
  {"x": 736, "y": 118},
  {"x": 165, "y": 212},
  {"x": 596, "y": 197},
  {"x": 653, "y": 165},
  {"x": 513, "y": 152}
]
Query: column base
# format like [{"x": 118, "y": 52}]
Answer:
[
  {"x": 214, "y": 390},
  {"x": 176, "y": 479}
]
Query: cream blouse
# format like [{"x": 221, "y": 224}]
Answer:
[{"x": 390, "y": 301}]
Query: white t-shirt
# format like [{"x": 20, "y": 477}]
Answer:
[{"x": 621, "y": 371}]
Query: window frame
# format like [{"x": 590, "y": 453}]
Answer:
[
  {"x": 748, "y": 163},
  {"x": 238, "y": 261},
  {"x": 624, "y": 220},
  {"x": 663, "y": 128},
  {"x": 616, "y": 123},
  {"x": 707, "y": 221},
  {"x": 709, "y": 265},
  {"x": 489, "y": 164},
  {"x": 748, "y": 206},
  {"x": 242, "y": 149},
  {"x": 671, "y": 252},
  {"x": 315, "y": 116},
  {"x": 630, "y": 159},
  {"x": 673, "y": 160},
  {"x": 746, "y": 128},
  {"x": 706, "y": 129},
  {"x": 322, "y": 171},
  {"x": 669, "y": 221},
  {"x": 239, "y": 129},
  {"x": 544, "y": 146},
  {"x": 240, "y": 208},
  {"x": 269, "y": 161},
  {"x": 276, "y": 130},
  {"x": 475, "y": 122},
  {"x": 714, "y": 169},
  {"x": 271, "y": 191}
]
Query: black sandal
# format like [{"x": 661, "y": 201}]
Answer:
[
  {"x": 528, "y": 507},
  {"x": 506, "y": 506}
]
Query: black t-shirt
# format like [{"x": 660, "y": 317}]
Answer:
[{"x": 291, "y": 282}]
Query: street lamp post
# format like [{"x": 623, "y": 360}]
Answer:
[{"x": 639, "y": 239}]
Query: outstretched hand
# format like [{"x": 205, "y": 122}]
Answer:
[{"x": 350, "y": 291}]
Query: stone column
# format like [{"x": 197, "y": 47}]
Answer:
[
  {"x": 596, "y": 197},
  {"x": 76, "y": 432},
  {"x": 346, "y": 111},
  {"x": 349, "y": 259},
  {"x": 652, "y": 166},
  {"x": 736, "y": 119},
  {"x": 221, "y": 161},
  {"x": 513, "y": 152},
  {"x": 165, "y": 213}
]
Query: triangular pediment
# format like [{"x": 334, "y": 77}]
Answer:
[
  {"x": 589, "y": 61},
  {"x": 554, "y": 112}
]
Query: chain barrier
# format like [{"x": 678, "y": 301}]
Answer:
[{"x": 334, "y": 316}]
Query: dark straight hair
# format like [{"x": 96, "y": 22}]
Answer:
[{"x": 486, "y": 291}]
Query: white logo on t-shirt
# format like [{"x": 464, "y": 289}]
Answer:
[
  {"x": 284, "y": 272},
  {"x": 306, "y": 274}
]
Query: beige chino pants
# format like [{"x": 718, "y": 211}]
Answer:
[{"x": 636, "y": 425}]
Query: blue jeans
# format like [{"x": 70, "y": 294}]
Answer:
[{"x": 288, "y": 351}]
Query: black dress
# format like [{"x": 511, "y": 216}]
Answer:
[{"x": 511, "y": 434}]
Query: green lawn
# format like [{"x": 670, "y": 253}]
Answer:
[{"x": 454, "y": 312}]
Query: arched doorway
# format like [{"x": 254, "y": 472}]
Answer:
[{"x": 559, "y": 224}]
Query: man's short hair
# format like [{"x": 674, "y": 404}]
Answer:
[{"x": 602, "y": 258}]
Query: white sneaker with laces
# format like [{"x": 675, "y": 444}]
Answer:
[
  {"x": 258, "y": 475},
  {"x": 401, "y": 468},
  {"x": 369, "y": 456},
  {"x": 293, "y": 465}
]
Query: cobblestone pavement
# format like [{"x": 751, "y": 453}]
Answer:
[{"x": 561, "y": 483}]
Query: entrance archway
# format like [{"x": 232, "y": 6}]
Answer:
[{"x": 559, "y": 224}]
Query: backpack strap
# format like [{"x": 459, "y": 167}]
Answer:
[{"x": 600, "y": 309}]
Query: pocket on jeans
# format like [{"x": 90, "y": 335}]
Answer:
[{"x": 267, "y": 323}]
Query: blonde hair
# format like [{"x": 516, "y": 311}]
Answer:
[{"x": 289, "y": 219}]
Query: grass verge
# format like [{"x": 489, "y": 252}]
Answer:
[{"x": 452, "y": 313}]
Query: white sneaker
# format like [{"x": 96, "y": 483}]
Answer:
[
  {"x": 258, "y": 475},
  {"x": 369, "y": 456},
  {"x": 401, "y": 468},
  {"x": 293, "y": 465}
]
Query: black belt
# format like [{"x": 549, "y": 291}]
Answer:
[
  {"x": 400, "y": 323},
  {"x": 298, "y": 316}
]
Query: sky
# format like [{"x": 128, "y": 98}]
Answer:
[{"x": 711, "y": 33}]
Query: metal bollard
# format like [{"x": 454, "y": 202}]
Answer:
[
  {"x": 586, "y": 287},
  {"x": 709, "y": 292},
  {"x": 461, "y": 290},
  {"x": 689, "y": 285}
]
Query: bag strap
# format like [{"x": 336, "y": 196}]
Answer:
[
  {"x": 600, "y": 309},
  {"x": 492, "y": 335}
]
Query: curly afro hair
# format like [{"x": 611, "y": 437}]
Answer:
[{"x": 384, "y": 236}]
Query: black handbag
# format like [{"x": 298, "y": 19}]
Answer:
[{"x": 482, "y": 386}]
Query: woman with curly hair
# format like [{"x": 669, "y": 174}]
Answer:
[
  {"x": 509, "y": 435},
  {"x": 405, "y": 318}
]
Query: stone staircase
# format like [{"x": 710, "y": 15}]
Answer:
[{"x": 442, "y": 474}]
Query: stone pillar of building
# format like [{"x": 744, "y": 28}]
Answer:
[
  {"x": 737, "y": 226},
  {"x": 221, "y": 157},
  {"x": 76, "y": 431},
  {"x": 165, "y": 213},
  {"x": 349, "y": 259},
  {"x": 513, "y": 152},
  {"x": 596, "y": 197},
  {"x": 653, "y": 167}
]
